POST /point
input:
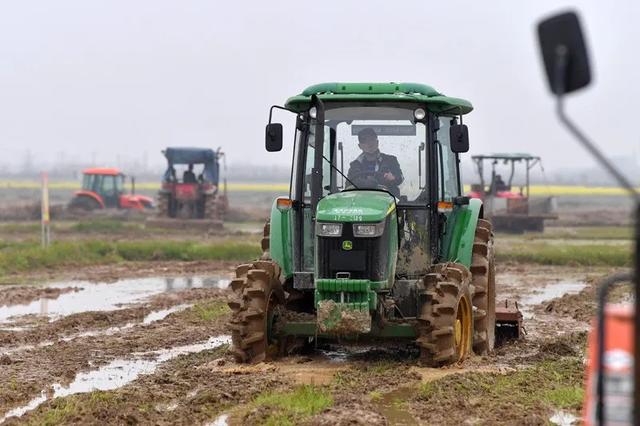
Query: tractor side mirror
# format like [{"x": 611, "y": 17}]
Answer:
[
  {"x": 459, "y": 137},
  {"x": 273, "y": 137},
  {"x": 564, "y": 53}
]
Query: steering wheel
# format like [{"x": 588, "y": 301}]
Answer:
[{"x": 373, "y": 179}]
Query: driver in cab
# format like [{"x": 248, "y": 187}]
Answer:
[{"x": 373, "y": 168}]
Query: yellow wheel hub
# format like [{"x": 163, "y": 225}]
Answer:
[{"x": 463, "y": 328}]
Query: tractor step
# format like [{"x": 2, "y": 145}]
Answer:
[{"x": 509, "y": 324}]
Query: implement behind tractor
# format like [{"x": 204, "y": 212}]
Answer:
[
  {"x": 510, "y": 209},
  {"x": 193, "y": 197},
  {"x": 375, "y": 240}
]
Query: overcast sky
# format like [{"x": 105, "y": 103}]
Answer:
[{"x": 103, "y": 78}]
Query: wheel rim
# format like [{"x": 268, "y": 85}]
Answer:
[
  {"x": 271, "y": 318},
  {"x": 462, "y": 328}
]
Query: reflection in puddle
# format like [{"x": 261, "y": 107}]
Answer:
[
  {"x": 391, "y": 406},
  {"x": 107, "y": 297},
  {"x": 222, "y": 420},
  {"x": 118, "y": 373},
  {"x": 562, "y": 418},
  {"x": 150, "y": 318},
  {"x": 550, "y": 291}
]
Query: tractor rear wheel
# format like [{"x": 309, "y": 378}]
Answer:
[
  {"x": 257, "y": 299},
  {"x": 446, "y": 316},
  {"x": 483, "y": 271},
  {"x": 85, "y": 203},
  {"x": 163, "y": 205}
]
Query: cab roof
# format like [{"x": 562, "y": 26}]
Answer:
[
  {"x": 377, "y": 92},
  {"x": 513, "y": 156},
  {"x": 109, "y": 171}
]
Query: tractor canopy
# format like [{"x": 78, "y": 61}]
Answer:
[
  {"x": 205, "y": 156},
  {"x": 381, "y": 92}
]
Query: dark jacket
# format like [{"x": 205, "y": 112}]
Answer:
[{"x": 370, "y": 174}]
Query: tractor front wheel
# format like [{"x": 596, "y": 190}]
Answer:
[
  {"x": 446, "y": 316},
  {"x": 257, "y": 299}
]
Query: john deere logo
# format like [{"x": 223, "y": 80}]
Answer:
[{"x": 347, "y": 245}]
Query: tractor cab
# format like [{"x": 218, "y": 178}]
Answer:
[
  {"x": 506, "y": 194},
  {"x": 190, "y": 184},
  {"x": 104, "y": 188}
]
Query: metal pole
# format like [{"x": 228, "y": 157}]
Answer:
[{"x": 561, "y": 66}]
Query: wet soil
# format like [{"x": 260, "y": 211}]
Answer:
[
  {"x": 27, "y": 372},
  {"x": 24, "y": 295},
  {"x": 130, "y": 269},
  {"x": 369, "y": 384}
]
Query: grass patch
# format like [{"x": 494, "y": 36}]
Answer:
[
  {"x": 289, "y": 408},
  {"x": 567, "y": 254},
  {"x": 576, "y": 233},
  {"x": 209, "y": 311},
  {"x": 100, "y": 226},
  {"x": 29, "y": 256},
  {"x": 548, "y": 385}
]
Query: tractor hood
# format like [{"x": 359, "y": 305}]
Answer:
[{"x": 355, "y": 206}]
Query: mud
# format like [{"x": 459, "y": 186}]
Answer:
[
  {"x": 129, "y": 269},
  {"x": 369, "y": 383},
  {"x": 96, "y": 321},
  {"x": 33, "y": 369},
  {"x": 23, "y": 295},
  {"x": 332, "y": 318}
]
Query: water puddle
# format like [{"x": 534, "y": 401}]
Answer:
[
  {"x": 548, "y": 292},
  {"x": 390, "y": 405},
  {"x": 562, "y": 418},
  {"x": 222, "y": 420},
  {"x": 117, "y": 373},
  {"x": 105, "y": 297},
  {"x": 148, "y": 319}
]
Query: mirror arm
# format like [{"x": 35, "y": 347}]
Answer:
[
  {"x": 281, "y": 108},
  {"x": 560, "y": 72}
]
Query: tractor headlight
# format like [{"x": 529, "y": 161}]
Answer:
[
  {"x": 329, "y": 229},
  {"x": 368, "y": 229}
]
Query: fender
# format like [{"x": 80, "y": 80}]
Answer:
[
  {"x": 90, "y": 195},
  {"x": 460, "y": 232},
  {"x": 280, "y": 238},
  {"x": 138, "y": 202}
]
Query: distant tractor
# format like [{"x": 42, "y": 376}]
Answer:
[
  {"x": 510, "y": 209},
  {"x": 103, "y": 188},
  {"x": 196, "y": 193},
  {"x": 375, "y": 239}
]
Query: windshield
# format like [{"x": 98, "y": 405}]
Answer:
[{"x": 375, "y": 147}]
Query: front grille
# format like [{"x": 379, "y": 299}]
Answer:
[{"x": 368, "y": 258}]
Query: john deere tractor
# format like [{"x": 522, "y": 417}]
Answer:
[{"x": 375, "y": 240}]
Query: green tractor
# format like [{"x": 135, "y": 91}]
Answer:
[{"x": 375, "y": 240}]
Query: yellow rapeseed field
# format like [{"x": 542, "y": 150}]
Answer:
[{"x": 539, "y": 190}]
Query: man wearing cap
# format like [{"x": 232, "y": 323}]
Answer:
[{"x": 373, "y": 168}]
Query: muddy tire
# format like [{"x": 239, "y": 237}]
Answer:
[
  {"x": 257, "y": 298},
  {"x": 446, "y": 316},
  {"x": 483, "y": 273},
  {"x": 163, "y": 205},
  {"x": 84, "y": 203}
]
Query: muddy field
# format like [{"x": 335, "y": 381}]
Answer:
[
  {"x": 145, "y": 342},
  {"x": 150, "y": 346}
]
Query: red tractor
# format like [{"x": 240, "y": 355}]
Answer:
[
  {"x": 104, "y": 188},
  {"x": 193, "y": 192}
]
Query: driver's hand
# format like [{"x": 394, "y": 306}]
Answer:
[{"x": 389, "y": 177}]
